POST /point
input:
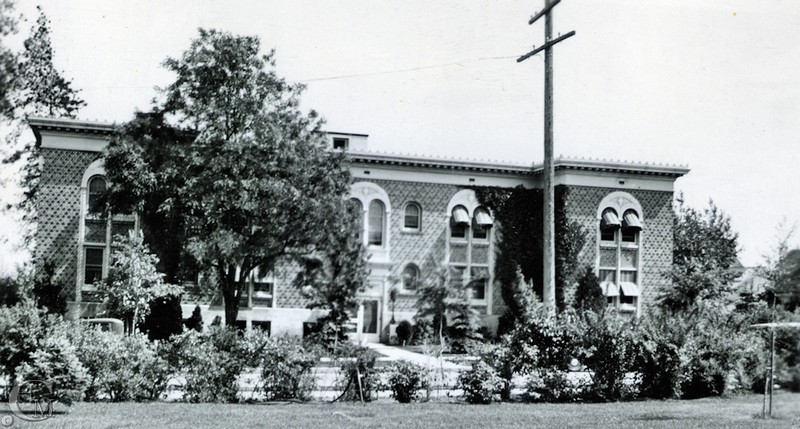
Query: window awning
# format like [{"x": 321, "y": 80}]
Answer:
[
  {"x": 460, "y": 216},
  {"x": 609, "y": 289},
  {"x": 610, "y": 220},
  {"x": 631, "y": 221},
  {"x": 483, "y": 219},
  {"x": 629, "y": 289}
]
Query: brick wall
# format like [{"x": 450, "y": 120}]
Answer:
[
  {"x": 59, "y": 213},
  {"x": 656, "y": 248}
]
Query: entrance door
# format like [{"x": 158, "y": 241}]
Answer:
[{"x": 370, "y": 328}]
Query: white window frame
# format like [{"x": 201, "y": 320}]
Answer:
[
  {"x": 365, "y": 193},
  {"x": 407, "y": 229}
]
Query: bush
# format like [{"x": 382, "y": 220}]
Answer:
[
  {"x": 21, "y": 328},
  {"x": 404, "y": 332},
  {"x": 121, "y": 368},
  {"x": 195, "y": 321},
  {"x": 480, "y": 384},
  {"x": 55, "y": 360},
  {"x": 211, "y": 363},
  {"x": 609, "y": 351},
  {"x": 286, "y": 370},
  {"x": 405, "y": 380},
  {"x": 553, "y": 385}
]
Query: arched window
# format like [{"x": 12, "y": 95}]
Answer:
[
  {"x": 412, "y": 217},
  {"x": 97, "y": 186},
  {"x": 619, "y": 251},
  {"x": 410, "y": 277},
  {"x": 459, "y": 221},
  {"x": 481, "y": 222},
  {"x": 376, "y": 223}
]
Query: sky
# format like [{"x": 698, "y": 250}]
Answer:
[{"x": 713, "y": 85}]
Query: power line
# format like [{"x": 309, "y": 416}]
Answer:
[{"x": 350, "y": 76}]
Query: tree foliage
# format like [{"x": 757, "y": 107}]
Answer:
[
  {"x": 588, "y": 295},
  {"x": 133, "y": 283},
  {"x": 441, "y": 297},
  {"x": 333, "y": 275},
  {"x": 30, "y": 85},
  {"x": 238, "y": 171},
  {"x": 704, "y": 248}
]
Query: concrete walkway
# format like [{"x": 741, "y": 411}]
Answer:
[{"x": 395, "y": 353}]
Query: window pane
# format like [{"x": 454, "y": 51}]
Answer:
[
  {"x": 629, "y": 235},
  {"x": 628, "y": 276},
  {"x": 94, "y": 256},
  {"x": 264, "y": 326},
  {"x": 97, "y": 186},
  {"x": 478, "y": 231},
  {"x": 93, "y": 265},
  {"x": 608, "y": 276},
  {"x": 95, "y": 231},
  {"x": 411, "y": 220},
  {"x": 376, "y": 223},
  {"x": 629, "y": 259},
  {"x": 410, "y": 277},
  {"x": 458, "y": 252},
  {"x": 262, "y": 294},
  {"x": 607, "y": 235}
]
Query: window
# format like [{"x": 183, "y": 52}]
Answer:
[
  {"x": 410, "y": 277},
  {"x": 93, "y": 264},
  {"x": 341, "y": 143},
  {"x": 97, "y": 186},
  {"x": 262, "y": 294},
  {"x": 262, "y": 325},
  {"x": 459, "y": 221},
  {"x": 376, "y": 211},
  {"x": 619, "y": 248},
  {"x": 412, "y": 219},
  {"x": 470, "y": 251}
]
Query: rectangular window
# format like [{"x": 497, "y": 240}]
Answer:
[
  {"x": 244, "y": 298},
  {"x": 607, "y": 235},
  {"x": 262, "y": 294},
  {"x": 458, "y": 230},
  {"x": 93, "y": 265},
  {"x": 479, "y": 231},
  {"x": 341, "y": 143},
  {"x": 262, "y": 325},
  {"x": 628, "y": 235}
]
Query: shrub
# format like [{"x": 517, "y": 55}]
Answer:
[
  {"x": 404, "y": 332},
  {"x": 553, "y": 343},
  {"x": 21, "y": 328},
  {"x": 405, "y": 380},
  {"x": 480, "y": 384},
  {"x": 610, "y": 352},
  {"x": 56, "y": 361},
  {"x": 552, "y": 385},
  {"x": 211, "y": 363},
  {"x": 120, "y": 368},
  {"x": 286, "y": 369},
  {"x": 588, "y": 295},
  {"x": 195, "y": 321}
]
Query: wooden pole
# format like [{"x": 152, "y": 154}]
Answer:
[{"x": 548, "y": 242}]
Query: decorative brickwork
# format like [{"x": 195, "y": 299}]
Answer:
[
  {"x": 656, "y": 236},
  {"x": 59, "y": 213}
]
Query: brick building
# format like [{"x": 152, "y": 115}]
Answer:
[{"x": 419, "y": 213}]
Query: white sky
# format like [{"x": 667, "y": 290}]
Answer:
[{"x": 714, "y": 85}]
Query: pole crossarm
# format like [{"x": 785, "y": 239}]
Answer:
[
  {"x": 545, "y": 46},
  {"x": 543, "y": 12}
]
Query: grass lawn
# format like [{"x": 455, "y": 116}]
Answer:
[{"x": 741, "y": 411}]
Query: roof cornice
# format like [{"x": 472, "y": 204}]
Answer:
[{"x": 71, "y": 125}]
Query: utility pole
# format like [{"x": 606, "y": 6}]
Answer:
[{"x": 548, "y": 236}]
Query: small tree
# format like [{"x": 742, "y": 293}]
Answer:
[
  {"x": 332, "y": 276},
  {"x": 704, "y": 248},
  {"x": 441, "y": 295},
  {"x": 589, "y": 296},
  {"x": 133, "y": 282},
  {"x": 48, "y": 294}
]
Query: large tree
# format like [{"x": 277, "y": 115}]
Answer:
[
  {"x": 241, "y": 173},
  {"x": 30, "y": 85},
  {"x": 704, "y": 249}
]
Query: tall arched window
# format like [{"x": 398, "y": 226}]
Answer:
[
  {"x": 376, "y": 223},
  {"x": 469, "y": 247},
  {"x": 619, "y": 251},
  {"x": 97, "y": 186}
]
